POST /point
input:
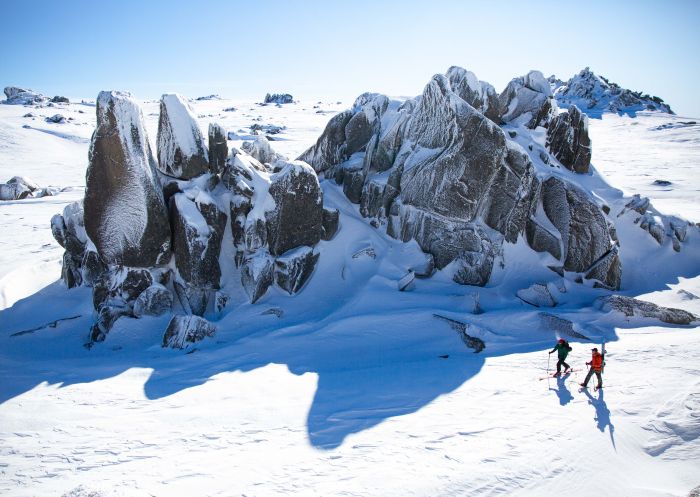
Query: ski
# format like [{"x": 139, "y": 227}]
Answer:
[{"x": 563, "y": 374}]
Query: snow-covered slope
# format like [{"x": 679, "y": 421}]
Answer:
[{"x": 350, "y": 387}]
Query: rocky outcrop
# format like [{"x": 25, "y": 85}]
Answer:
[
  {"x": 257, "y": 275},
  {"x": 528, "y": 100},
  {"x": 218, "y": 148},
  {"x": 595, "y": 94},
  {"x": 568, "y": 141},
  {"x": 20, "y": 96},
  {"x": 261, "y": 149},
  {"x": 182, "y": 152},
  {"x": 330, "y": 220},
  {"x": 479, "y": 94},
  {"x": 127, "y": 219},
  {"x": 585, "y": 235},
  {"x": 631, "y": 307},
  {"x": 278, "y": 98},
  {"x": 296, "y": 219}
]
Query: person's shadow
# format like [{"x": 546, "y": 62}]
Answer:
[
  {"x": 562, "y": 391},
  {"x": 602, "y": 414}
]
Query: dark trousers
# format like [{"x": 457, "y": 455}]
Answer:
[
  {"x": 561, "y": 363},
  {"x": 597, "y": 375}
]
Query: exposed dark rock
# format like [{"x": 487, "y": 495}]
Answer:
[
  {"x": 608, "y": 270},
  {"x": 70, "y": 271},
  {"x": 127, "y": 221},
  {"x": 183, "y": 331},
  {"x": 107, "y": 315},
  {"x": 14, "y": 191},
  {"x": 153, "y": 301},
  {"x": 20, "y": 96},
  {"x": 472, "y": 342},
  {"x": 372, "y": 199},
  {"x": 218, "y": 148},
  {"x": 358, "y": 131},
  {"x": 293, "y": 268},
  {"x": 353, "y": 182},
  {"x": 60, "y": 100},
  {"x": 560, "y": 326},
  {"x": 631, "y": 307},
  {"x": 567, "y": 139},
  {"x": 92, "y": 267},
  {"x": 198, "y": 227},
  {"x": 296, "y": 219},
  {"x": 181, "y": 149},
  {"x": 329, "y": 223},
  {"x": 120, "y": 286},
  {"x": 56, "y": 119}
]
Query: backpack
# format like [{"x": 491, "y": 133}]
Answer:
[{"x": 568, "y": 347}]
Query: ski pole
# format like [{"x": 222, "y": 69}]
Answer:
[{"x": 549, "y": 356}]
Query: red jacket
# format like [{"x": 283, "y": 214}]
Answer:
[{"x": 596, "y": 361}]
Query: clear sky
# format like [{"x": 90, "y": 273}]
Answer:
[{"x": 329, "y": 49}]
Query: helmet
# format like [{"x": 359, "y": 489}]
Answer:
[{"x": 561, "y": 340}]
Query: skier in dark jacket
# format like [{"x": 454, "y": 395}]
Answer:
[{"x": 563, "y": 348}]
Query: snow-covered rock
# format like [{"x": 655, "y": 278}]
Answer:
[
  {"x": 182, "y": 331},
  {"x": 20, "y": 96},
  {"x": 293, "y": 268},
  {"x": 528, "y": 100},
  {"x": 14, "y": 191},
  {"x": 261, "y": 149},
  {"x": 56, "y": 119},
  {"x": 126, "y": 215},
  {"x": 295, "y": 218},
  {"x": 153, "y": 301},
  {"x": 568, "y": 141},
  {"x": 585, "y": 235},
  {"x": 278, "y": 98},
  {"x": 631, "y": 307},
  {"x": 218, "y": 148},
  {"x": 257, "y": 274},
  {"x": 182, "y": 152},
  {"x": 479, "y": 94},
  {"x": 595, "y": 95},
  {"x": 538, "y": 295}
]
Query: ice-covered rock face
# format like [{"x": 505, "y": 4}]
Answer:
[
  {"x": 126, "y": 216},
  {"x": 528, "y": 100},
  {"x": 479, "y": 94},
  {"x": 261, "y": 149},
  {"x": 182, "y": 152},
  {"x": 568, "y": 141},
  {"x": 595, "y": 94}
]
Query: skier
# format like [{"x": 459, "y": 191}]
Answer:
[
  {"x": 596, "y": 365},
  {"x": 563, "y": 349}
]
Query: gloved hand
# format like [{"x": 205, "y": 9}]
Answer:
[
  {"x": 588, "y": 364},
  {"x": 550, "y": 352}
]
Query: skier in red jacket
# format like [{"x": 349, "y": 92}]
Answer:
[{"x": 596, "y": 365}]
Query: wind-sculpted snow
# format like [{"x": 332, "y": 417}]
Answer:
[{"x": 126, "y": 216}]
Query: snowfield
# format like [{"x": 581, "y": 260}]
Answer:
[{"x": 350, "y": 387}]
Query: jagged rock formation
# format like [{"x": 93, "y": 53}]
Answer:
[
  {"x": 595, "y": 94},
  {"x": 659, "y": 227},
  {"x": 631, "y": 307},
  {"x": 261, "y": 149},
  {"x": 145, "y": 259},
  {"x": 437, "y": 170},
  {"x": 279, "y": 98},
  {"x": 128, "y": 222},
  {"x": 182, "y": 152},
  {"x": 20, "y": 96},
  {"x": 568, "y": 141},
  {"x": 528, "y": 100}
]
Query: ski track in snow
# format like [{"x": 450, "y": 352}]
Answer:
[{"x": 345, "y": 393}]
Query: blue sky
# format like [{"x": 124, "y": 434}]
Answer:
[{"x": 316, "y": 49}]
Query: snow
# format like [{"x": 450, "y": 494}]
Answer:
[
  {"x": 346, "y": 391},
  {"x": 183, "y": 133}
]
